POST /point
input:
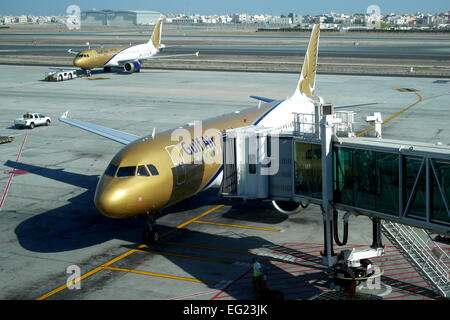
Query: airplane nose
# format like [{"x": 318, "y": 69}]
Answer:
[
  {"x": 111, "y": 202},
  {"x": 78, "y": 62}
]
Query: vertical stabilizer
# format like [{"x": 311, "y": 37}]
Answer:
[
  {"x": 156, "y": 35},
  {"x": 307, "y": 82}
]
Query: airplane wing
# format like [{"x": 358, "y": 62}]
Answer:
[
  {"x": 115, "y": 135},
  {"x": 173, "y": 56},
  {"x": 72, "y": 52},
  {"x": 262, "y": 99},
  {"x": 340, "y": 106},
  {"x": 160, "y": 57}
]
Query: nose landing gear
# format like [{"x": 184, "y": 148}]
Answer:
[{"x": 150, "y": 233}]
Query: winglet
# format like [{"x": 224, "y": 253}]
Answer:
[
  {"x": 156, "y": 35},
  {"x": 307, "y": 82},
  {"x": 65, "y": 114}
]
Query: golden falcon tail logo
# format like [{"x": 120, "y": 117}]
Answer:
[
  {"x": 156, "y": 35},
  {"x": 307, "y": 82}
]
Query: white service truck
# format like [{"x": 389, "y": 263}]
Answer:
[
  {"x": 32, "y": 120},
  {"x": 60, "y": 75}
]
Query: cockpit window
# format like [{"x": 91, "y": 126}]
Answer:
[
  {"x": 111, "y": 170},
  {"x": 142, "y": 171},
  {"x": 82, "y": 55},
  {"x": 126, "y": 172},
  {"x": 152, "y": 170}
]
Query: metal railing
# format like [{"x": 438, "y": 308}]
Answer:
[{"x": 308, "y": 124}]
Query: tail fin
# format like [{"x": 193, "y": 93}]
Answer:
[
  {"x": 307, "y": 82},
  {"x": 156, "y": 35}
]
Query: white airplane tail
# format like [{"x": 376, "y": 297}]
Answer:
[
  {"x": 307, "y": 82},
  {"x": 156, "y": 35}
]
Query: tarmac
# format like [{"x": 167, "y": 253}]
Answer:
[
  {"x": 238, "y": 48},
  {"x": 48, "y": 177}
]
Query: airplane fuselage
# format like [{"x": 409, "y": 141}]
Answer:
[
  {"x": 184, "y": 165},
  {"x": 113, "y": 57}
]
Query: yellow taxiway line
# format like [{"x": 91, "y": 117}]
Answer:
[
  {"x": 161, "y": 275},
  {"x": 122, "y": 256},
  {"x": 192, "y": 220},
  {"x": 197, "y": 246},
  {"x": 178, "y": 255},
  {"x": 237, "y": 226},
  {"x": 421, "y": 99}
]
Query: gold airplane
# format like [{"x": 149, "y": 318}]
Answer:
[
  {"x": 157, "y": 171},
  {"x": 128, "y": 58}
]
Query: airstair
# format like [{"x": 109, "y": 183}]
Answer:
[{"x": 428, "y": 258}]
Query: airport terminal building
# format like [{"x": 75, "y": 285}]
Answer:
[{"x": 98, "y": 18}]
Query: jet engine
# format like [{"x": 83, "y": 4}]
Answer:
[
  {"x": 132, "y": 66},
  {"x": 289, "y": 207}
]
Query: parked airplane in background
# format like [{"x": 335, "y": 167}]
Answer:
[
  {"x": 154, "y": 172},
  {"x": 128, "y": 58}
]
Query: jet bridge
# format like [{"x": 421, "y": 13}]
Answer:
[{"x": 398, "y": 184}]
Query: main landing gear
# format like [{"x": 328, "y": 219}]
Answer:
[
  {"x": 150, "y": 234},
  {"x": 87, "y": 72}
]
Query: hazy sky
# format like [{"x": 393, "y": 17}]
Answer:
[{"x": 274, "y": 7}]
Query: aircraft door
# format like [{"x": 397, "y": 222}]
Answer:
[{"x": 179, "y": 169}]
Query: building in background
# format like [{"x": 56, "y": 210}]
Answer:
[{"x": 112, "y": 18}]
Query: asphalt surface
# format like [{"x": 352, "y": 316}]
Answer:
[
  {"x": 391, "y": 51},
  {"x": 49, "y": 223}
]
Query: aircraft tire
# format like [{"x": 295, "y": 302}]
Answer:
[
  {"x": 155, "y": 236},
  {"x": 150, "y": 237}
]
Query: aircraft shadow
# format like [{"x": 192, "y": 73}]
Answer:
[
  {"x": 78, "y": 224},
  {"x": 233, "y": 270}
]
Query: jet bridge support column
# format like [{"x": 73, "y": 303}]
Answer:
[
  {"x": 326, "y": 134},
  {"x": 376, "y": 229}
]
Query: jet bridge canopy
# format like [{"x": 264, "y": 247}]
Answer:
[{"x": 405, "y": 182}]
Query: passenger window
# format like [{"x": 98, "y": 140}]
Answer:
[
  {"x": 142, "y": 171},
  {"x": 152, "y": 170},
  {"x": 126, "y": 172},
  {"x": 111, "y": 170}
]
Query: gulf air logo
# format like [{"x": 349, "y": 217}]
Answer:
[{"x": 198, "y": 145}]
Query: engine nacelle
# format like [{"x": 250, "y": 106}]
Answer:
[
  {"x": 132, "y": 66},
  {"x": 288, "y": 207}
]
